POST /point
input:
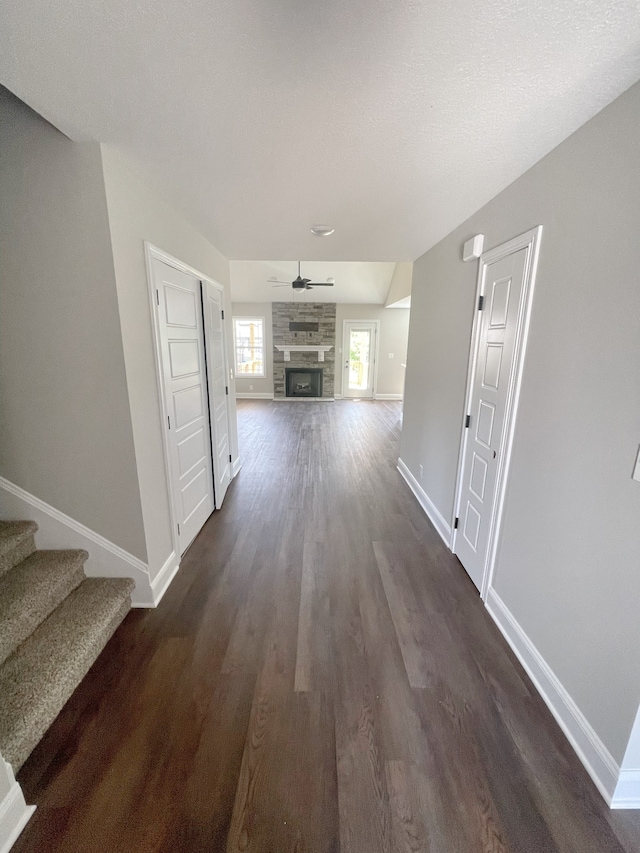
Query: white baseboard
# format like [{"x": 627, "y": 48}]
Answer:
[
  {"x": 254, "y": 395},
  {"x": 160, "y": 584},
  {"x": 236, "y": 466},
  {"x": 338, "y": 397},
  {"x": 627, "y": 792},
  {"x": 427, "y": 504},
  {"x": 58, "y": 531},
  {"x": 14, "y": 812},
  {"x": 591, "y": 751},
  {"x": 388, "y": 397}
]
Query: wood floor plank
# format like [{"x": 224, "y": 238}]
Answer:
[
  {"x": 320, "y": 676},
  {"x": 313, "y": 655}
]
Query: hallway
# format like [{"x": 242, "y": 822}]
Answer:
[{"x": 321, "y": 676}]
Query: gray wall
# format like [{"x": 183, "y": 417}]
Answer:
[
  {"x": 568, "y": 563},
  {"x": 394, "y": 334},
  {"x": 260, "y": 386},
  {"x": 138, "y": 213},
  {"x": 65, "y": 427}
]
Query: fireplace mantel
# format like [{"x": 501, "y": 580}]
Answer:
[{"x": 287, "y": 350}]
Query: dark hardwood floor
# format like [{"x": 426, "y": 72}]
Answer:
[{"x": 321, "y": 676}]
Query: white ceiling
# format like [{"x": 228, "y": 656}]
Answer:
[
  {"x": 391, "y": 120},
  {"x": 355, "y": 281}
]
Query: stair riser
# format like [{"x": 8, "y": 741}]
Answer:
[
  {"x": 41, "y": 676},
  {"x": 16, "y": 555},
  {"x": 35, "y": 613},
  {"x": 27, "y": 740}
]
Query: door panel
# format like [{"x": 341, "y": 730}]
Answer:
[
  {"x": 502, "y": 288},
  {"x": 184, "y": 358},
  {"x": 191, "y": 450},
  {"x": 218, "y": 385},
  {"x": 181, "y": 337},
  {"x": 188, "y": 405}
]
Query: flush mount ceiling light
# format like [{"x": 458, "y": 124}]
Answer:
[{"x": 321, "y": 230}]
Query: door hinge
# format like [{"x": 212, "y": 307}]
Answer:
[
  {"x": 226, "y": 389},
  {"x": 467, "y": 422},
  {"x": 157, "y": 296},
  {"x": 169, "y": 421},
  {"x": 222, "y": 312},
  {"x": 455, "y": 523},
  {"x": 480, "y": 303},
  {"x": 229, "y": 457}
]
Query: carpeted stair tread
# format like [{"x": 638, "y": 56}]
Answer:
[
  {"x": 16, "y": 543},
  {"x": 40, "y": 676},
  {"x": 32, "y": 590}
]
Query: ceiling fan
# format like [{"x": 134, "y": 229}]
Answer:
[{"x": 300, "y": 283}]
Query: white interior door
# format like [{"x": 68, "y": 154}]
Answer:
[
  {"x": 492, "y": 384},
  {"x": 181, "y": 339},
  {"x": 218, "y": 388},
  {"x": 359, "y": 352}
]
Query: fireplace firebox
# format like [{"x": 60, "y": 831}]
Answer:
[{"x": 303, "y": 381}]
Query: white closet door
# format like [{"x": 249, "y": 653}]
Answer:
[
  {"x": 181, "y": 331},
  {"x": 502, "y": 296},
  {"x": 218, "y": 388}
]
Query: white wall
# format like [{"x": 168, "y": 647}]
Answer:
[
  {"x": 567, "y": 566},
  {"x": 260, "y": 386},
  {"x": 65, "y": 427},
  {"x": 394, "y": 333},
  {"x": 136, "y": 214},
  {"x": 400, "y": 285}
]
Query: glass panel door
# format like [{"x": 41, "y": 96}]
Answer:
[
  {"x": 359, "y": 351},
  {"x": 359, "y": 359}
]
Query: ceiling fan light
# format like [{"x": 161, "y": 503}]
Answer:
[{"x": 321, "y": 230}]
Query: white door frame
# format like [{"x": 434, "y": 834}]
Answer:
[
  {"x": 530, "y": 240},
  {"x": 374, "y": 378},
  {"x": 152, "y": 252}
]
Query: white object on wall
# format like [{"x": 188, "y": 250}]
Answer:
[
  {"x": 472, "y": 249},
  {"x": 287, "y": 350},
  {"x": 14, "y": 812},
  {"x": 636, "y": 470}
]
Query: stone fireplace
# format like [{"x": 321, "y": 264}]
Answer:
[{"x": 304, "y": 338}]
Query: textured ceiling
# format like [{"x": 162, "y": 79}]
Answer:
[
  {"x": 354, "y": 281},
  {"x": 391, "y": 120}
]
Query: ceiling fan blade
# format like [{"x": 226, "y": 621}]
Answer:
[
  {"x": 278, "y": 280},
  {"x": 280, "y": 285},
  {"x": 308, "y": 287},
  {"x": 322, "y": 283}
]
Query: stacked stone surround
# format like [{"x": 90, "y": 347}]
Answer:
[{"x": 323, "y": 313}]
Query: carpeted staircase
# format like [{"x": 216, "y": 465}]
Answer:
[{"x": 54, "y": 623}]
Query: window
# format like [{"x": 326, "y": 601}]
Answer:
[{"x": 248, "y": 335}]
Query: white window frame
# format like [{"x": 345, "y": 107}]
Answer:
[{"x": 253, "y": 319}]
